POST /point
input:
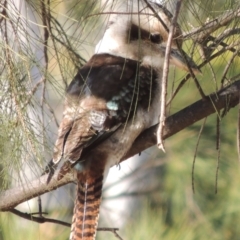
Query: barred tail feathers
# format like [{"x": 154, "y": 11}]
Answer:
[{"x": 86, "y": 209}]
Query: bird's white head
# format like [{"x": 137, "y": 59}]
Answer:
[{"x": 136, "y": 33}]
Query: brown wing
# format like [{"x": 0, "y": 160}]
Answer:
[{"x": 83, "y": 119}]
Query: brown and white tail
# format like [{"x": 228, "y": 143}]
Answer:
[{"x": 86, "y": 209}]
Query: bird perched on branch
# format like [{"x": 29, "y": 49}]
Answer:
[{"x": 113, "y": 98}]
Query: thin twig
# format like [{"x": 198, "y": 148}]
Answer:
[
  {"x": 46, "y": 24},
  {"x": 219, "y": 41},
  {"x": 67, "y": 44},
  {"x": 238, "y": 131},
  {"x": 198, "y": 34},
  {"x": 52, "y": 112},
  {"x": 185, "y": 79},
  {"x": 41, "y": 219},
  {"x": 157, "y": 15},
  {"x": 218, "y": 153},
  {"x": 162, "y": 117},
  {"x": 218, "y": 131},
  {"x": 195, "y": 152},
  {"x": 213, "y": 75},
  {"x": 117, "y": 235},
  {"x": 227, "y": 67}
]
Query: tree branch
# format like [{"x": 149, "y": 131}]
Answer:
[
  {"x": 228, "y": 97},
  {"x": 30, "y": 217},
  {"x": 224, "y": 99},
  {"x": 200, "y": 33}
]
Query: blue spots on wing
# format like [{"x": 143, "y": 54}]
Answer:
[
  {"x": 111, "y": 105},
  {"x": 129, "y": 97},
  {"x": 121, "y": 102}
]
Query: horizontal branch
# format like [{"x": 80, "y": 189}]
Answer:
[
  {"x": 12, "y": 197},
  {"x": 225, "y": 98}
]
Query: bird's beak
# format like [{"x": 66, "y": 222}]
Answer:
[{"x": 177, "y": 59}]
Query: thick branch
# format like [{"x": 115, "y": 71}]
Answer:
[
  {"x": 12, "y": 197},
  {"x": 226, "y": 98}
]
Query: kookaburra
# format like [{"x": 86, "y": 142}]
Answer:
[{"x": 112, "y": 99}]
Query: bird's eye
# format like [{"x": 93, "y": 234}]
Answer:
[{"x": 155, "y": 38}]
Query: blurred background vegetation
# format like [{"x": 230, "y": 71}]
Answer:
[{"x": 161, "y": 197}]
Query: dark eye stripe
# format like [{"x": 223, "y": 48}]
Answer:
[
  {"x": 156, "y": 38},
  {"x": 135, "y": 33}
]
